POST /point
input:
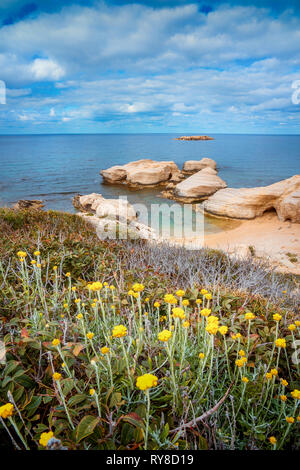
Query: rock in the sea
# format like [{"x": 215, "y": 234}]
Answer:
[
  {"x": 194, "y": 137},
  {"x": 248, "y": 203},
  {"x": 198, "y": 186},
  {"x": 96, "y": 203},
  {"x": 142, "y": 173},
  {"x": 33, "y": 204},
  {"x": 191, "y": 166}
]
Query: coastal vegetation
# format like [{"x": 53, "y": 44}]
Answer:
[{"x": 115, "y": 344}]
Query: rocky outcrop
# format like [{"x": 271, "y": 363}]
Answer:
[
  {"x": 248, "y": 203},
  {"x": 102, "y": 208},
  {"x": 112, "y": 218},
  {"x": 33, "y": 204},
  {"x": 191, "y": 166},
  {"x": 194, "y": 137},
  {"x": 143, "y": 173},
  {"x": 198, "y": 186},
  {"x": 110, "y": 228},
  {"x": 288, "y": 207}
]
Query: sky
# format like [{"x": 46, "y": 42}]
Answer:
[{"x": 93, "y": 66}]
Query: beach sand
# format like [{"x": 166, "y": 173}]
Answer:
[{"x": 268, "y": 238}]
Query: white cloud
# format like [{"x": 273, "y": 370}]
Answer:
[{"x": 45, "y": 69}]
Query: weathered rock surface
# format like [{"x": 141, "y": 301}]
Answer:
[
  {"x": 194, "y": 137},
  {"x": 33, "y": 204},
  {"x": 191, "y": 166},
  {"x": 110, "y": 228},
  {"x": 248, "y": 203},
  {"x": 96, "y": 203},
  {"x": 142, "y": 173},
  {"x": 289, "y": 207},
  {"x": 200, "y": 185}
]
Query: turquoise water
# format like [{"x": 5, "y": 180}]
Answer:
[{"x": 56, "y": 167}]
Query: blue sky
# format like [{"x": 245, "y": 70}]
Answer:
[{"x": 149, "y": 66}]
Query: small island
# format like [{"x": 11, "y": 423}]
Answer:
[{"x": 194, "y": 137}]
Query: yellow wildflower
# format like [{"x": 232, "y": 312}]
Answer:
[
  {"x": 186, "y": 324},
  {"x": 45, "y": 438},
  {"x": 178, "y": 313},
  {"x": 280, "y": 343},
  {"x": 290, "y": 419},
  {"x": 277, "y": 317},
  {"x": 198, "y": 301},
  {"x": 269, "y": 376},
  {"x": 92, "y": 391},
  {"x": 90, "y": 335},
  {"x": 119, "y": 331},
  {"x": 249, "y": 316},
  {"x": 223, "y": 330},
  {"x": 138, "y": 287},
  {"x": 146, "y": 381},
  {"x": 180, "y": 293},
  {"x": 205, "y": 312},
  {"x": 203, "y": 291},
  {"x": 245, "y": 380},
  {"x": 55, "y": 342},
  {"x": 56, "y": 376},
  {"x": 104, "y": 350},
  {"x": 274, "y": 372},
  {"x": 170, "y": 299},
  {"x": 156, "y": 304},
  {"x": 164, "y": 335},
  {"x": 208, "y": 296},
  {"x": 201, "y": 355},
  {"x": 292, "y": 327},
  {"x": 37, "y": 253},
  {"x": 185, "y": 302},
  {"x": 272, "y": 440},
  {"x": 296, "y": 394},
  {"x": 6, "y": 410},
  {"x": 212, "y": 324},
  {"x": 284, "y": 382},
  {"x": 241, "y": 362},
  {"x": 79, "y": 316},
  {"x": 283, "y": 397}
]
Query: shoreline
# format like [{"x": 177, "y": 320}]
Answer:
[{"x": 263, "y": 237}]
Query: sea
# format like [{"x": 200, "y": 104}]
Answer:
[{"x": 54, "y": 168}]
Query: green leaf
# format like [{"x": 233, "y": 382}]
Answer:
[
  {"x": 115, "y": 399},
  {"x": 10, "y": 366},
  {"x": 78, "y": 398},
  {"x": 134, "y": 419},
  {"x": 86, "y": 427}
]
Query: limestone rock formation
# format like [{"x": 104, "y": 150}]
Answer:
[
  {"x": 248, "y": 203},
  {"x": 191, "y": 166},
  {"x": 33, "y": 204},
  {"x": 143, "y": 173},
  {"x": 102, "y": 208},
  {"x": 198, "y": 186}
]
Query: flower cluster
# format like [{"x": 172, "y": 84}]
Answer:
[{"x": 146, "y": 381}]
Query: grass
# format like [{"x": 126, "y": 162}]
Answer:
[{"x": 201, "y": 393}]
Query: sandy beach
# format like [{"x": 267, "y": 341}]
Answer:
[
  {"x": 266, "y": 236},
  {"x": 278, "y": 241}
]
